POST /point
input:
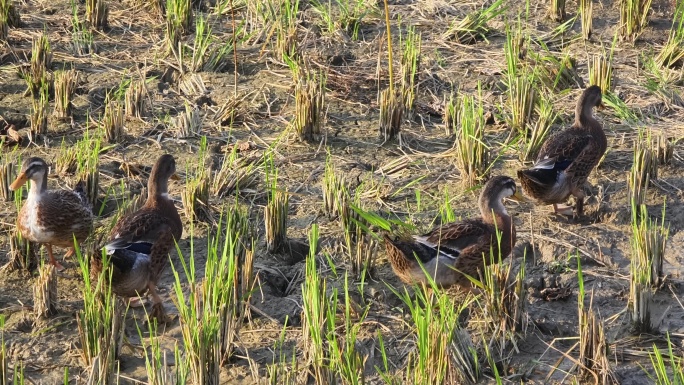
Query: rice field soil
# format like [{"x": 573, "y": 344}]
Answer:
[{"x": 215, "y": 84}]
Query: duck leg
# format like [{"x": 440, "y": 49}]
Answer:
[
  {"x": 158, "y": 311},
  {"x": 579, "y": 202},
  {"x": 562, "y": 210},
  {"x": 58, "y": 266}
]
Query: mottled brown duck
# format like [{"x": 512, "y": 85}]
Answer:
[
  {"x": 567, "y": 158},
  {"x": 139, "y": 243},
  {"x": 449, "y": 251},
  {"x": 52, "y": 217}
]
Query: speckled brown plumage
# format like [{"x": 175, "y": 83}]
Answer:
[
  {"x": 452, "y": 250},
  {"x": 51, "y": 217},
  {"x": 140, "y": 243},
  {"x": 567, "y": 158}
]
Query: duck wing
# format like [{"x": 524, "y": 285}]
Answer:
[
  {"x": 143, "y": 227},
  {"x": 561, "y": 153},
  {"x": 64, "y": 214},
  {"x": 458, "y": 236},
  {"x": 563, "y": 148}
]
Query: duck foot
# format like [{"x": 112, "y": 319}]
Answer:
[
  {"x": 567, "y": 211},
  {"x": 135, "y": 302},
  {"x": 159, "y": 313}
]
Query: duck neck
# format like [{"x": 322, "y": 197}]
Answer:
[
  {"x": 38, "y": 186},
  {"x": 157, "y": 188},
  {"x": 583, "y": 114},
  {"x": 494, "y": 212}
]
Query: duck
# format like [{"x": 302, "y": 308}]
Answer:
[
  {"x": 52, "y": 217},
  {"x": 566, "y": 159},
  {"x": 139, "y": 243},
  {"x": 453, "y": 251}
]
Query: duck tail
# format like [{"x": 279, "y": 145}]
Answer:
[
  {"x": 542, "y": 177},
  {"x": 119, "y": 259},
  {"x": 407, "y": 251},
  {"x": 398, "y": 252}
]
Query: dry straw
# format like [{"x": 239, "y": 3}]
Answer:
[
  {"x": 309, "y": 105},
  {"x": 557, "y": 10},
  {"x": 7, "y": 175},
  {"x": 41, "y": 62},
  {"x": 503, "y": 302},
  {"x": 640, "y": 292},
  {"x": 594, "y": 364},
  {"x": 188, "y": 123},
  {"x": 195, "y": 196},
  {"x": 39, "y": 113},
  {"x": 135, "y": 99},
  {"x": 451, "y": 115},
  {"x": 522, "y": 98},
  {"x": 644, "y": 169},
  {"x": 9, "y": 17},
  {"x": 601, "y": 71},
  {"x": 472, "y": 153},
  {"x": 586, "y": 9},
  {"x": 474, "y": 26},
  {"x": 22, "y": 255},
  {"x": 410, "y": 67},
  {"x": 275, "y": 220},
  {"x": 45, "y": 292},
  {"x": 672, "y": 52},
  {"x": 391, "y": 113},
  {"x": 649, "y": 240},
  {"x": 391, "y": 101},
  {"x": 235, "y": 175},
  {"x": 335, "y": 193},
  {"x": 100, "y": 323},
  {"x": 113, "y": 121},
  {"x": 664, "y": 148},
  {"x": 65, "y": 86},
  {"x": 97, "y": 13},
  {"x": 633, "y": 18}
]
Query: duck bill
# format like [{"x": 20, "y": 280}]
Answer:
[
  {"x": 518, "y": 197},
  {"x": 20, "y": 181}
]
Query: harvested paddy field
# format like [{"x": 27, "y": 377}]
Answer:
[{"x": 302, "y": 135}]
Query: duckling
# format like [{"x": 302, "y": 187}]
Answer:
[
  {"x": 454, "y": 249},
  {"x": 567, "y": 158},
  {"x": 139, "y": 243},
  {"x": 52, "y": 217}
]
